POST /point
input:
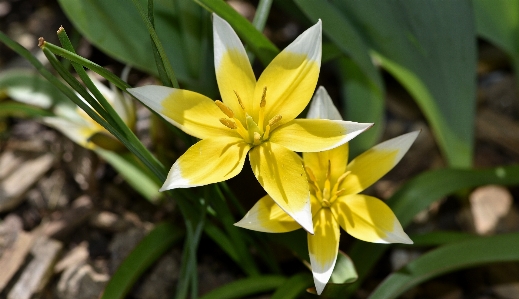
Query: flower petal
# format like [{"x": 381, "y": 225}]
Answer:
[
  {"x": 369, "y": 219},
  {"x": 322, "y": 106},
  {"x": 323, "y": 247},
  {"x": 193, "y": 113},
  {"x": 315, "y": 135},
  {"x": 291, "y": 77},
  {"x": 208, "y": 161},
  {"x": 233, "y": 70},
  {"x": 280, "y": 172},
  {"x": 266, "y": 216},
  {"x": 318, "y": 162},
  {"x": 374, "y": 163},
  {"x": 75, "y": 131}
]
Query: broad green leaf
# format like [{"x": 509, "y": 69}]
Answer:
[
  {"x": 363, "y": 88},
  {"x": 294, "y": 286},
  {"x": 30, "y": 88},
  {"x": 119, "y": 31},
  {"x": 498, "y": 22},
  {"x": 453, "y": 257},
  {"x": 417, "y": 194},
  {"x": 247, "y": 286},
  {"x": 255, "y": 40},
  {"x": 430, "y": 48},
  {"x": 364, "y": 102},
  {"x": 141, "y": 258},
  {"x": 21, "y": 110},
  {"x": 136, "y": 177}
]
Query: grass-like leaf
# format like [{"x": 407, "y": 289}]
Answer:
[
  {"x": 141, "y": 258},
  {"x": 465, "y": 254}
]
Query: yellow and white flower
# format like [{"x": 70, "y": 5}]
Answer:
[
  {"x": 80, "y": 128},
  {"x": 335, "y": 185},
  {"x": 255, "y": 117}
]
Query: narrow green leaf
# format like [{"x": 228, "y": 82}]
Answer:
[
  {"x": 466, "y": 254},
  {"x": 222, "y": 240},
  {"x": 21, "y": 110},
  {"x": 438, "y": 238},
  {"x": 136, "y": 177},
  {"x": 417, "y": 194},
  {"x": 255, "y": 40},
  {"x": 246, "y": 287},
  {"x": 293, "y": 287},
  {"x": 141, "y": 258}
]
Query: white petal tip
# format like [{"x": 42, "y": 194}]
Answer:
[
  {"x": 322, "y": 278},
  {"x": 304, "y": 218}
]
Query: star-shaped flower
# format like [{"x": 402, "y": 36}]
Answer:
[
  {"x": 335, "y": 185},
  {"x": 80, "y": 128},
  {"x": 255, "y": 117}
]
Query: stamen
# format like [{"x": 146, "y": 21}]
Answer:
[
  {"x": 340, "y": 192},
  {"x": 228, "y": 123},
  {"x": 226, "y": 110},
  {"x": 267, "y": 133},
  {"x": 273, "y": 121},
  {"x": 342, "y": 177},
  {"x": 263, "y": 97},
  {"x": 310, "y": 173},
  {"x": 239, "y": 100},
  {"x": 261, "y": 117},
  {"x": 328, "y": 172}
]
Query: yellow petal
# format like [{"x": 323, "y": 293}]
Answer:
[
  {"x": 369, "y": 219},
  {"x": 291, "y": 77},
  {"x": 315, "y": 135},
  {"x": 193, "y": 113},
  {"x": 233, "y": 70},
  {"x": 318, "y": 162},
  {"x": 266, "y": 216},
  {"x": 208, "y": 161},
  {"x": 322, "y": 106},
  {"x": 280, "y": 172},
  {"x": 76, "y": 131},
  {"x": 323, "y": 247},
  {"x": 374, "y": 163}
]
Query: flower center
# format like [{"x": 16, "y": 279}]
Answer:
[
  {"x": 329, "y": 192},
  {"x": 251, "y": 131}
]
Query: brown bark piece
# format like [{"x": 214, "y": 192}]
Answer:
[
  {"x": 37, "y": 273},
  {"x": 14, "y": 184}
]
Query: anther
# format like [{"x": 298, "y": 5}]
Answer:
[
  {"x": 310, "y": 173},
  {"x": 342, "y": 177},
  {"x": 239, "y": 100},
  {"x": 340, "y": 192},
  {"x": 273, "y": 121},
  {"x": 263, "y": 97},
  {"x": 228, "y": 123},
  {"x": 226, "y": 110}
]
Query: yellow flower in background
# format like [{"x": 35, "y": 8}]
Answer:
[
  {"x": 335, "y": 185},
  {"x": 255, "y": 117},
  {"x": 80, "y": 128}
]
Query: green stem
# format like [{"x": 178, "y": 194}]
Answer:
[
  {"x": 118, "y": 122},
  {"x": 158, "y": 45},
  {"x": 260, "y": 18},
  {"x": 88, "y": 64}
]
